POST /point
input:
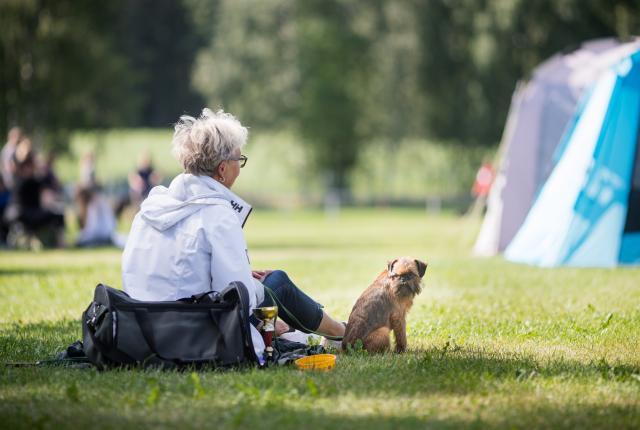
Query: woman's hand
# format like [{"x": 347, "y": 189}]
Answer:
[
  {"x": 281, "y": 327},
  {"x": 260, "y": 274}
]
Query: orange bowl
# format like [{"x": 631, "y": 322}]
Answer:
[{"x": 316, "y": 362}]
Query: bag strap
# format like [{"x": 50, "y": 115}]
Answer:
[
  {"x": 142, "y": 317},
  {"x": 214, "y": 320},
  {"x": 243, "y": 297},
  {"x": 212, "y": 295},
  {"x": 48, "y": 362}
]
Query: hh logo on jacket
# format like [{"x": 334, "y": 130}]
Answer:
[{"x": 236, "y": 207}]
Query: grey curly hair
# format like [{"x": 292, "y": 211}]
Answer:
[{"x": 201, "y": 144}]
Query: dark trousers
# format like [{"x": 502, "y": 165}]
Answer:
[{"x": 304, "y": 309}]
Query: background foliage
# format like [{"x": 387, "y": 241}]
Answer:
[
  {"x": 60, "y": 68},
  {"x": 340, "y": 74}
]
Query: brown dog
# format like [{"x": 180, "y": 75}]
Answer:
[{"x": 384, "y": 305}]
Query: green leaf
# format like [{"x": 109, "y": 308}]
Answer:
[
  {"x": 312, "y": 387},
  {"x": 73, "y": 393},
  {"x": 607, "y": 320},
  {"x": 154, "y": 392},
  {"x": 198, "y": 391}
]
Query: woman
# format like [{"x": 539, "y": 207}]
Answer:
[
  {"x": 38, "y": 216},
  {"x": 188, "y": 238}
]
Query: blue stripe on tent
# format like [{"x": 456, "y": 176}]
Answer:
[
  {"x": 594, "y": 236},
  {"x": 578, "y": 218},
  {"x": 630, "y": 249}
]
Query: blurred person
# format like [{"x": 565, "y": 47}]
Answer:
[
  {"x": 481, "y": 187},
  {"x": 140, "y": 182},
  {"x": 48, "y": 173},
  {"x": 88, "y": 170},
  {"x": 5, "y": 198},
  {"x": 85, "y": 188},
  {"x": 144, "y": 178},
  {"x": 95, "y": 215},
  {"x": 36, "y": 219},
  {"x": 484, "y": 179},
  {"x": 7, "y": 155},
  {"x": 52, "y": 190},
  {"x": 7, "y": 178},
  {"x": 188, "y": 239},
  {"x": 98, "y": 223}
]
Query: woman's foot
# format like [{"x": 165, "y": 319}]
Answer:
[{"x": 331, "y": 327}]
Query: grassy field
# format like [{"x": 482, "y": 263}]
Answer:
[{"x": 492, "y": 344}]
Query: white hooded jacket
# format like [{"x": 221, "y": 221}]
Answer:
[{"x": 187, "y": 239}]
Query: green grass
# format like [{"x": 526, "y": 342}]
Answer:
[{"x": 492, "y": 344}]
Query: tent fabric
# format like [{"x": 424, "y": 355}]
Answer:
[
  {"x": 541, "y": 113},
  {"x": 580, "y": 215},
  {"x": 487, "y": 242},
  {"x": 630, "y": 247}
]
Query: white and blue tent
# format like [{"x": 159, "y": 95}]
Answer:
[
  {"x": 587, "y": 213},
  {"x": 542, "y": 109}
]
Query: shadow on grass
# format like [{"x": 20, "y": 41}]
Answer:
[
  {"x": 76, "y": 412},
  {"x": 466, "y": 370},
  {"x": 455, "y": 370},
  {"x": 36, "y": 341},
  {"x": 49, "y": 414},
  {"x": 524, "y": 416}
]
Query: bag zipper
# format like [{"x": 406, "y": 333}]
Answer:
[{"x": 162, "y": 306}]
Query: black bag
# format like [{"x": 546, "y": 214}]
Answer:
[{"x": 210, "y": 329}]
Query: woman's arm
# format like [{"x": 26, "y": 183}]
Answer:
[
  {"x": 229, "y": 255},
  {"x": 260, "y": 274}
]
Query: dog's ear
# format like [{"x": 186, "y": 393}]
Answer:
[
  {"x": 390, "y": 266},
  {"x": 422, "y": 267}
]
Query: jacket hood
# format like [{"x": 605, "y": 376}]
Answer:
[{"x": 186, "y": 195}]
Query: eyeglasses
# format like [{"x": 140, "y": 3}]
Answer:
[{"x": 242, "y": 159}]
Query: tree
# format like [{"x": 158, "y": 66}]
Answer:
[
  {"x": 160, "y": 40},
  {"x": 333, "y": 62},
  {"x": 473, "y": 52},
  {"x": 60, "y": 69},
  {"x": 69, "y": 64},
  {"x": 297, "y": 65},
  {"x": 249, "y": 67},
  {"x": 396, "y": 104}
]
